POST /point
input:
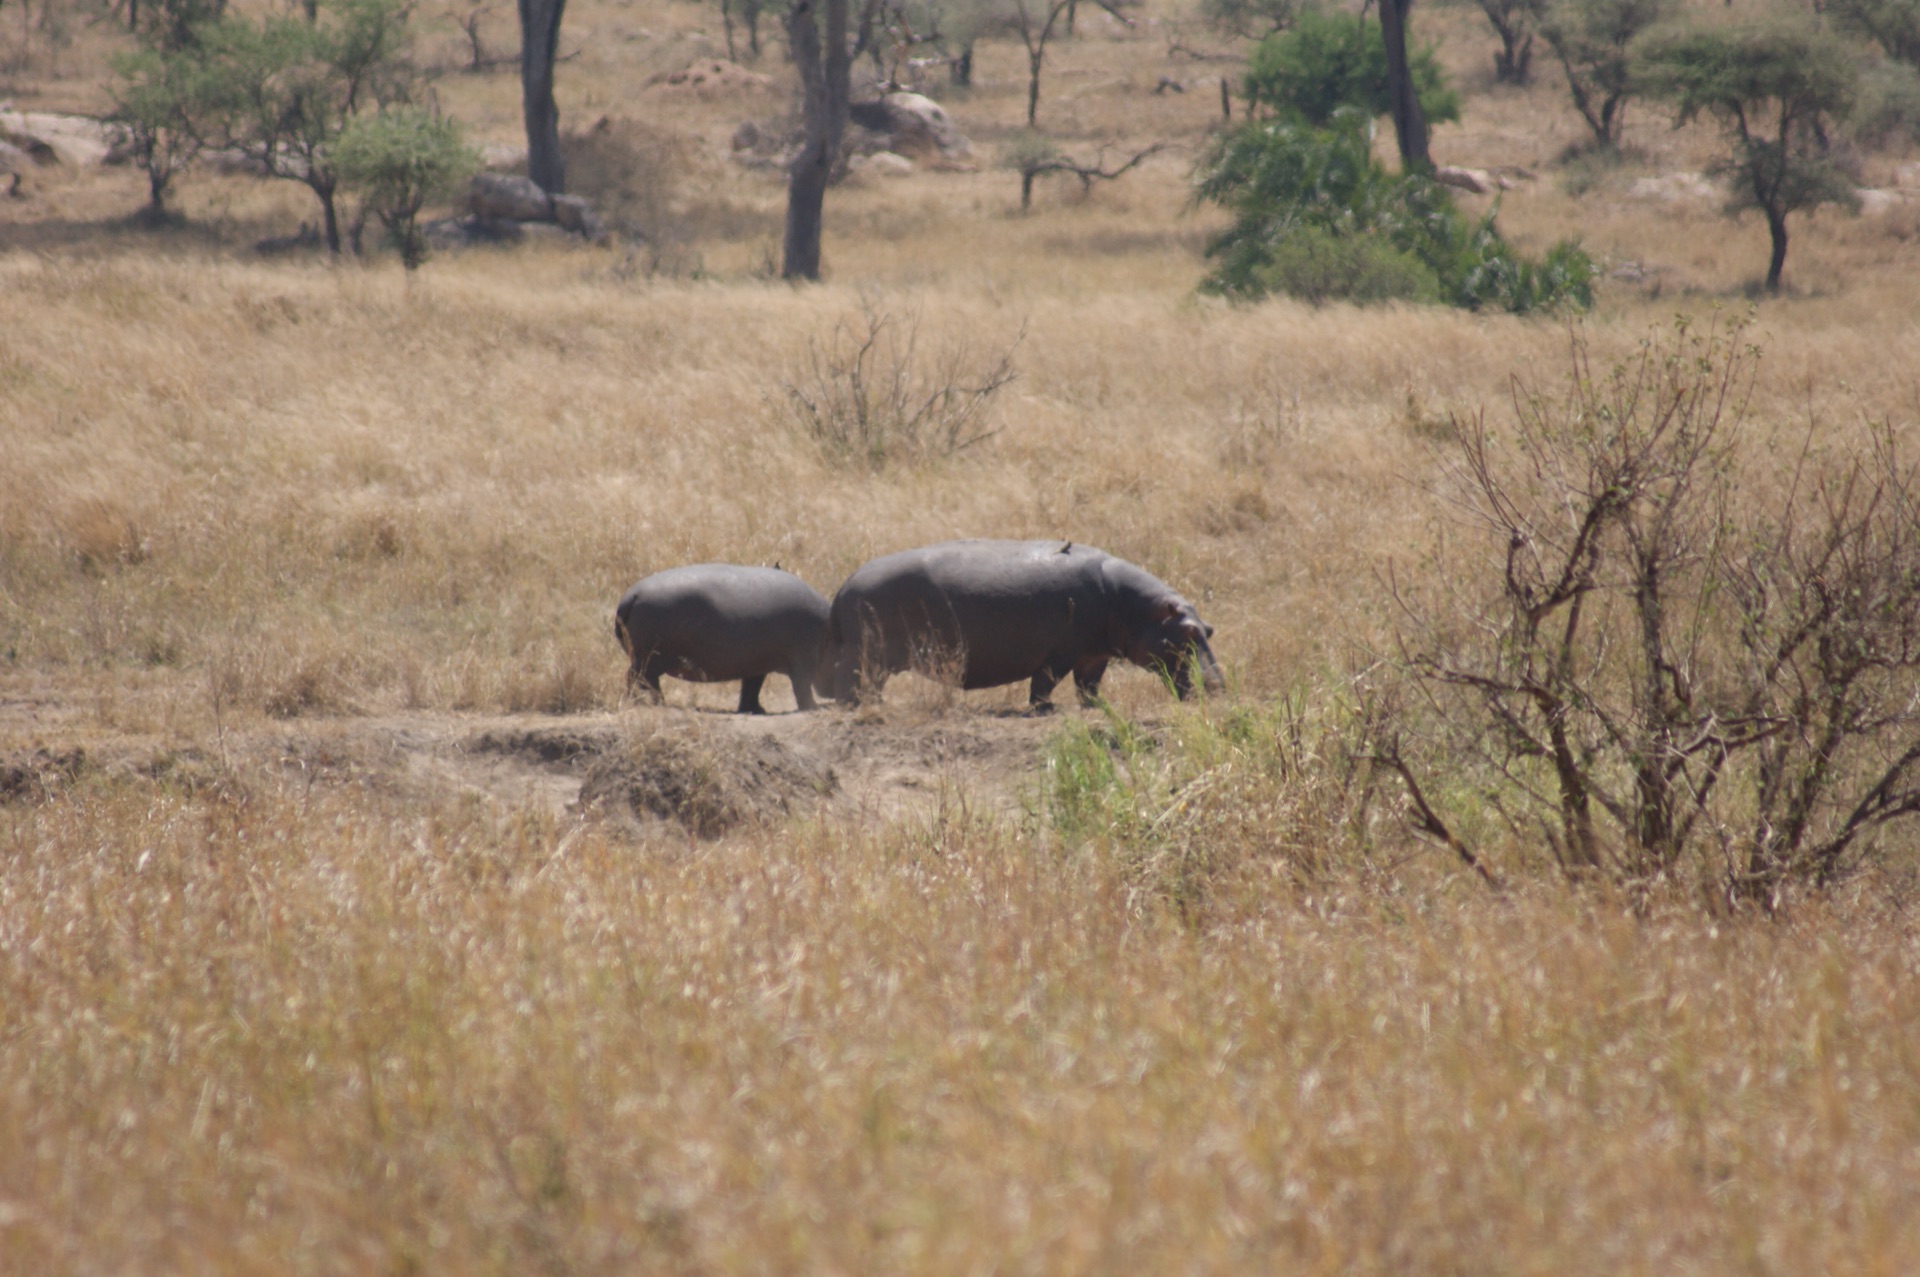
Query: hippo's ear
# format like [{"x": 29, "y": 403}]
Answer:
[{"x": 1166, "y": 610}]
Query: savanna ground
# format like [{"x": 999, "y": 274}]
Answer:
[{"x": 350, "y": 922}]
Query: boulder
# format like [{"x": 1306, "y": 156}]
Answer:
[
  {"x": 915, "y": 126},
  {"x": 462, "y": 232},
  {"x": 1478, "y": 181},
  {"x": 1674, "y": 188},
  {"x": 502, "y": 195},
  {"x": 78, "y": 141},
  {"x": 881, "y": 164},
  {"x": 500, "y": 157},
  {"x": 574, "y": 214},
  {"x": 1874, "y": 202}
]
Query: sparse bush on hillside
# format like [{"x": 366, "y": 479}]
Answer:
[
  {"x": 1671, "y": 654},
  {"x": 1330, "y": 60},
  {"x": 1774, "y": 87},
  {"x": 1317, "y": 215},
  {"x": 398, "y": 160},
  {"x": 868, "y": 396}
]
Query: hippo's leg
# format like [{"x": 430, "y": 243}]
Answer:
[
  {"x": 750, "y": 694},
  {"x": 1045, "y": 679},
  {"x": 800, "y": 674},
  {"x": 1086, "y": 680},
  {"x": 644, "y": 680},
  {"x": 645, "y": 676}
]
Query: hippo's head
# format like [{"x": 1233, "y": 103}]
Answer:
[{"x": 1174, "y": 639}]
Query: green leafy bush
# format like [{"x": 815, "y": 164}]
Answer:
[
  {"x": 1317, "y": 217},
  {"x": 398, "y": 160},
  {"x": 1332, "y": 60}
]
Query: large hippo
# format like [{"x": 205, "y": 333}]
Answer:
[
  {"x": 984, "y": 613},
  {"x": 715, "y": 622}
]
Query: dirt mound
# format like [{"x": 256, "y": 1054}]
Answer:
[{"x": 707, "y": 781}]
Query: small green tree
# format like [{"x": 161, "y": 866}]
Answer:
[
  {"x": 1773, "y": 87},
  {"x": 1515, "y": 22},
  {"x": 281, "y": 91},
  {"x": 153, "y": 108},
  {"x": 399, "y": 160},
  {"x": 1593, "y": 39},
  {"x": 1316, "y": 216},
  {"x": 1332, "y": 60}
]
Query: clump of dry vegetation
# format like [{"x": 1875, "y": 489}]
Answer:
[{"x": 291, "y": 978}]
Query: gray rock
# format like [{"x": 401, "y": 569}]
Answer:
[
  {"x": 574, "y": 214},
  {"x": 1478, "y": 181},
  {"x": 500, "y": 195},
  {"x": 78, "y": 141},
  {"x": 916, "y": 126}
]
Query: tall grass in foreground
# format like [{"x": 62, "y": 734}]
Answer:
[{"x": 261, "y": 1027}]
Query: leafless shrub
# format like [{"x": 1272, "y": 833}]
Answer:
[
  {"x": 867, "y": 395},
  {"x": 1650, "y": 664}
]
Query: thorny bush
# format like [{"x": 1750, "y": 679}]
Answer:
[
  {"x": 1672, "y": 652},
  {"x": 868, "y": 396}
]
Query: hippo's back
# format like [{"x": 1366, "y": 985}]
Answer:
[
  {"x": 727, "y": 592},
  {"x": 977, "y": 569}
]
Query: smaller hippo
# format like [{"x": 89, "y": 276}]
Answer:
[
  {"x": 715, "y": 622},
  {"x": 984, "y": 613}
]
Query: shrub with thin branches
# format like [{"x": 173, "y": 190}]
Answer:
[
  {"x": 1657, "y": 671},
  {"x": 869, "y": 396}
]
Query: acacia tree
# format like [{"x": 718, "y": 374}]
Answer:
[
  {"x": 153, "y": 109},
  {"x": 1593, "y": 40},
  {"x": 539, "y": 43},
  {"x": 1772, "y": 87},
  {"x": 1036, "y": 22},
  {"x": 1514, "y": 21},
  {"x": 280, "y": 91}
]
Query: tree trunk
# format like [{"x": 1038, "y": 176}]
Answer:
[
  {"x": 539, "y": 41},
  {"x": 1408, "y": 124},
  {"x": 960, "y": 69},
  {"x": 328, "y": 216},
  {"x": 1026, "y": 189},
  {"x": 1776, "y": 227},
  {"x": 1034, "y": 59},
  {"x": 824, "y": 75}
]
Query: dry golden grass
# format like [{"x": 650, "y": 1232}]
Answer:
[{"x": 263, "y": 1014}]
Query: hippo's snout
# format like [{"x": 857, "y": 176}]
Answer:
[{"x": 1201, "y": 656}]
